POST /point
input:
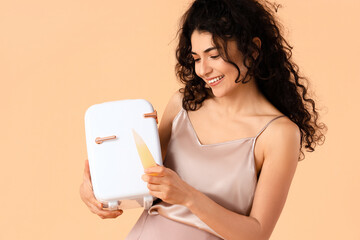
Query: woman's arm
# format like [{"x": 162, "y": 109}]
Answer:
[{"x": 281, "y": 153}]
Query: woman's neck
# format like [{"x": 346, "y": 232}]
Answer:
[{"x": 246, "y": 100}]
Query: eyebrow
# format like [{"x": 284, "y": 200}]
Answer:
[{"x": 207, "y": 50}]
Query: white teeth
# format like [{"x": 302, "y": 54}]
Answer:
[{"x": 216, "y": 79}]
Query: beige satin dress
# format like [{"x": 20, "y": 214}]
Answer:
[{"x": 225, "y": 172}]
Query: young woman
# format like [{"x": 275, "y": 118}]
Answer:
[{"x": 232, "y": 137}]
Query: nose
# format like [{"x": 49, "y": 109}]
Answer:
[{"x": 204, "y": 68}]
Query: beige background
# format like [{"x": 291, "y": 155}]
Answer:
[{"x": 59, "y": 57}]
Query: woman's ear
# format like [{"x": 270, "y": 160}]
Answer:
[{"x": 257, "y": 42}]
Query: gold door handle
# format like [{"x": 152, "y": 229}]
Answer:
[{"x": 100, "y": 140}]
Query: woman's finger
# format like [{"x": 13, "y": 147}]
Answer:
[
  {"x": 105, "y": 213},
  {"x": 154, "y": 187},
  {"x": 152, "y": 179},
  {"x": 159, "y": 170},
  {"x": 96, "y": 207}
]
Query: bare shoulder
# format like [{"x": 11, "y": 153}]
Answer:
[
  {"x": 173, "y": 107},
  {"x": 283, "y": 126},
  {"x": 171, "y": 110},
  {"x": 281, "y": 136}
]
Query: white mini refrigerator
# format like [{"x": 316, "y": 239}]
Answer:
[{"x": 115, "y": 165}]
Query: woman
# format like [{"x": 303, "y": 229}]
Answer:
[{"x": 233, "y": 135}]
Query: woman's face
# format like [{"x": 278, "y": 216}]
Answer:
[{"x": 219, "y": 75}]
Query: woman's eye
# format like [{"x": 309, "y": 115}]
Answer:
[{"x": 215, "y": 56}]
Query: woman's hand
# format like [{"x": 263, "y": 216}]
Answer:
[
  {"x": 167, "y": 185},
  {"x": 87, "y": 195}
]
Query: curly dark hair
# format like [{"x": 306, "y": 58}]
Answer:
[{"x": 275, "y": 74}]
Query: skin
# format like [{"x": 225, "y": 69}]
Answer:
[{"x": 236, "y": 111}]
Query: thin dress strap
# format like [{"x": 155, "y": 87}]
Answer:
[{"x": 268, "y": 125}]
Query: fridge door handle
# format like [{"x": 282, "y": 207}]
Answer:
[
  {"x": 100, "y": 140},
  {"x": 153, "y": 115}
]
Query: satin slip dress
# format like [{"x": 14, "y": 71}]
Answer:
[{"x": 225, "y": 172}]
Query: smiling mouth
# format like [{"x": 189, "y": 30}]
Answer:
[{"x": 214, "y": 80}]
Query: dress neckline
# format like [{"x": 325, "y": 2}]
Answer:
[{"x": 212, "y": 144}]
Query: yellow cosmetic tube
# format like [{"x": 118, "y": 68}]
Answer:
[{"x": 146, "y": 158}]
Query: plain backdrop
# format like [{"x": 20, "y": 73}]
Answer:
[{"x": 57, "y": 58}]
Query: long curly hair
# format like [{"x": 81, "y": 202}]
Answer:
[{"x": 275, "y": 74}]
